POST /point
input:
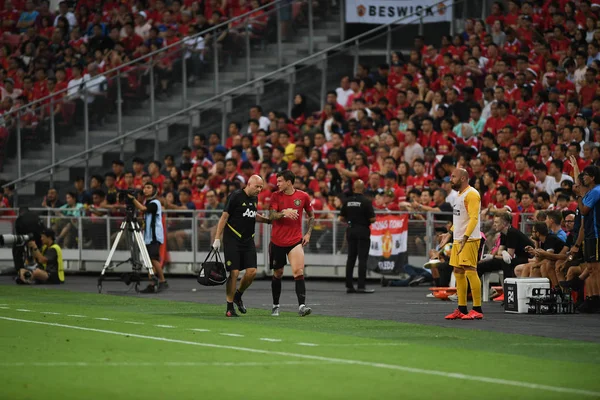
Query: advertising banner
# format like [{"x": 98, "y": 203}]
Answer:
[
  {"x": 389, "y": 236},
  {"x": 388, "y": 11}
]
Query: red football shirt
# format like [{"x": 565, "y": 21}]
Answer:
[{"x": 287, "y": 231}]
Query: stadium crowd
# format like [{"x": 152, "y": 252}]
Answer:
[
  {"x": 81, "y": 44},
  {"x": 513, "y": 99}
]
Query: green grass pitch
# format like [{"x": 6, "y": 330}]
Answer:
[{"x": 67, "y": 345}]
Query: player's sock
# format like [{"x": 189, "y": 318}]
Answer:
[
  {"x": 230, "y": 307},
  {"x": 461, "y": 291},
  {"x": 276, "y": 289},
  {"x": 475, "y": 283},
  {"x": 237, "y": 295},
  {"x": 300, "y": 289}
]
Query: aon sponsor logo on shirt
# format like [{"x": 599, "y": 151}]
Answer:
[{"x": 249, "y": 213}]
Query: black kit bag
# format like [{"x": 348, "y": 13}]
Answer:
[{"x": 212, "y": 273}]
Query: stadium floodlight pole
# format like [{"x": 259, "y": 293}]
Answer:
[
  {"x": 53, "y": 142},
  {"x": 311, "y": 45},
  {"x": 120, "y": 116}
]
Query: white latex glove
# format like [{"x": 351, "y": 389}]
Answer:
[
  {"x": 506, "y": 257},
  {"x": 486, "y": 257},
  {"x": 216, "y": 244}
]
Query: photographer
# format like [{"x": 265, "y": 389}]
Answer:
[
  {"x": 27, "y": 223},
  {"x": 49, "y": 258},
  {"x": 153, "y": 231}
]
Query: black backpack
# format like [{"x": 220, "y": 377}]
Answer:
[{"x": 212, "y": 273}]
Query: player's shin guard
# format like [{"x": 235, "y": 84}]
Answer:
[
  {"x": 461, "y": 291},
  {"x": 276, "y": 289},
  {"x": 475, "y": 284},
  {"x": 300, "y": 289}
]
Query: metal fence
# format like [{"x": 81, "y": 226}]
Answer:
[{"x": 86, "y": 240}]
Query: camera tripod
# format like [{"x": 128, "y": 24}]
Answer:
[{"x": 134, "y": 240}]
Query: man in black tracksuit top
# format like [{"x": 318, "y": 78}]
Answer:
[
  {"x": 358, "y": 211},
  {"x": 237, "y": 225}
]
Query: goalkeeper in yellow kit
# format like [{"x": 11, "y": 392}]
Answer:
[{"x": 465, "y": 247}]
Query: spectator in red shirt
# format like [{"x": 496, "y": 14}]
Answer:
[
  {"x": 490, "y": 177},
  {"x": 419, "y": 180},
  {"x": 131, "y": 40},
  {"x": 526, "y": 203},
  {"x": 157, "y": 178},
  {"x": 588, "y": 91},
  {"x": 360, "y": 169}
]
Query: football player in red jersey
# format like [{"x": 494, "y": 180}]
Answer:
[{"x": 286, "y": 238}]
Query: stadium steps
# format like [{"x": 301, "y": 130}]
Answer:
[{"x": 173, "y": 137}]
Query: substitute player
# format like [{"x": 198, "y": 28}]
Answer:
[
  {"x": 465, "y": 247},
  {"x": 237, "y": 227},
  {"x": 286, "y": 239}
]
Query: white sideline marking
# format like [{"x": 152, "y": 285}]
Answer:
[
  {"x": 104, "y": 319},
  {"x": 452, "y": 375},
  {"x": 307, "y": 344},
  {"x": 156, "y": 364},
  {"x": 232, "y": 334},
  {"x": 266, "y": 339},
  {"x": 23, "y": 309},
  {"x": 76, "y": 316},
  {"x": 295, "y": 305},
  {"x": 584, "y": 344},
  {"x": 164, "y": 326},
  {"x": 200, "y": 330},
  {"x": 5, "y": 308},
  {"x": 49, "y": 312},
  {"x": 364, "y": 344},
  {"x": 133, "y": 323}
]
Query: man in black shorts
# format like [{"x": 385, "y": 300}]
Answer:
[{"x": 237, "y": 227}]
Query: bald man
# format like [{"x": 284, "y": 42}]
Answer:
[
  {"x": 237, "y": 227},
  {"x": 358, "y": 212},
  {"x": 465, "y": 247}
]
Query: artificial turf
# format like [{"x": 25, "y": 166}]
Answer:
[{"x": 91, "y": 346}]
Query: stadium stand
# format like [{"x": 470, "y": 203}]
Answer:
[{"x": 512, "y": 98}]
